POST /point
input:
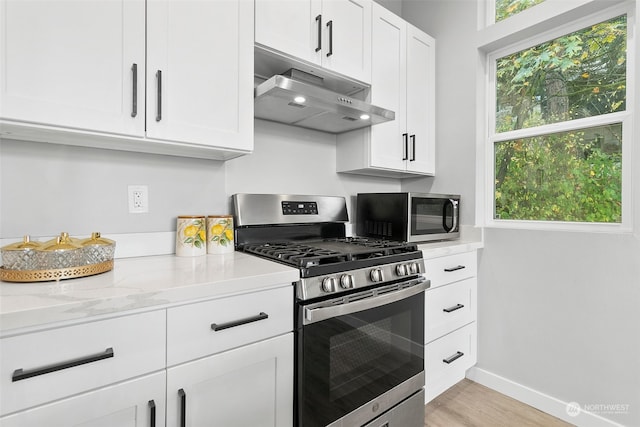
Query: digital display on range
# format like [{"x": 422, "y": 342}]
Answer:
[{"x": 299, "y": 208}]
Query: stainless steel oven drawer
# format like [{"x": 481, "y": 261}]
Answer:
[{"x": 409, "y": 413}]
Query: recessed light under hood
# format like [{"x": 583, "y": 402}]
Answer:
[{"x": 299, "y": 99}]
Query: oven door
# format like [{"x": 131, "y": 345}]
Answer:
[
  {"x": 433, "y": 218},
  {"x": 358, "y": 356}
]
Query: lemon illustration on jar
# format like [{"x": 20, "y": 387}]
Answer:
[
  {"x": 190, "y": 230},
  {"x": 221, "y": 231},
  {"x": 195, "y": 234}
]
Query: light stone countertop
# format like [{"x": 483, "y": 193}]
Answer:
[
  {"x": 137, "y": 284},
  {"x": 155, "y": 282}
]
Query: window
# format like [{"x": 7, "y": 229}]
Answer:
[
  {"x": 560, "y": 127},
  {"x": 507, "y": 8}
]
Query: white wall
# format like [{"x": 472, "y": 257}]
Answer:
[
  {"x": 294, "y": 160},
  {"x": 558, "y": 313},
  {"x": 48, "y": 188}
]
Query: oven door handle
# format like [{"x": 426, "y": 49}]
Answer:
[{"x": 313, "y": 315}]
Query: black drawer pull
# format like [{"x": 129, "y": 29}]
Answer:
[
  {"x": 453, "y": 358},
  {"x": 319, "y": 21},
  {"x": 159, "y": 94},
  {"x": 134, "y": 106},
  {"x": 450, "y": 269},
  {"x": 152, "y": 413},
  {"x": 454, "y": 308},
  {"x": 239, "y": 322},
  {"x": 20, "y": 374},
  {"x": 330, "y": 26},
  {"x": 183, "y": 407}
]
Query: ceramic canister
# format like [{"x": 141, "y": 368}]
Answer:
[
  {"x": 191, "y": 236},
  {"x": 220, "y": 234}
]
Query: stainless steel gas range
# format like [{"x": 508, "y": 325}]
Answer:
[{"x": 359, "y": 312}]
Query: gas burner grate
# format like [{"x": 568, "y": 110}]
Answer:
[
  {"x": 376, "y": 243},
  {"x": 299, "y": 255},
  {"x": 328, "y": 252}
]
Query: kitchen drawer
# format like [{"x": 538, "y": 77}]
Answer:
[
  {"x": 458, "y": 349},
  {"x": 449, "y": 307},
  {"x": 451, "y": 268},
  {"x": 65, "y": 361},
  {"x": 239, "y": 320}
]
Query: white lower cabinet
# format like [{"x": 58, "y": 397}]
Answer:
[
  {"x": 223, "y": 362},
  {"x": 44, "y": 366},
  {"x": 136, "y": 403},
  {"x": 247, "y": 386},
  {"x": 450, "y": 321},
  {"x": 447, "y": 360}
]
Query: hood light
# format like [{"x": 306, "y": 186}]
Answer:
[
  {"x": 300, "y": 99},
  {"x": 364, "y": 117}
]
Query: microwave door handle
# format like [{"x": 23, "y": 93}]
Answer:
[
  {"x": 454, "y": 213},
  {"x": 313, "y": 315}
]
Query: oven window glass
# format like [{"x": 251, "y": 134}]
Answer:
[
  {"x": 351, "y": 359},
  {"x": 431, "y": 216}
]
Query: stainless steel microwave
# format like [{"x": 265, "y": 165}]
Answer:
[{"x": 408, "y": 217}]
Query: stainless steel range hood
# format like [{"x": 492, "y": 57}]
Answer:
[{"x": 299, "y": 99}]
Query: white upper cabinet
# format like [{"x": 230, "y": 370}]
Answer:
[
  {"x": 200, "y": 72},
  {"x": 162, "y": 76},
  {"x": 78, "y": 64},
  {"x": 403, "y": 80},
  {"x": 389, "y": 83},
  {"x": 334, "y": 34},
  {"x": 420, "y": 115}
]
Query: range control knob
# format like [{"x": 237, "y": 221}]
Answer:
[
  {"x": 329, "y": 284},
  {"x": 413, "y": 268},
  {"x": 346, "y": 281},
  {"x": 376, "y": 275},
  {"x": 401, "y": 270}
]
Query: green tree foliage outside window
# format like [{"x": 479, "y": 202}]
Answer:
[
  {"x": 507, "y": 8},
  {"x": 567, "y": 176}
]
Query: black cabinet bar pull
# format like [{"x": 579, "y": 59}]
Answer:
[
  {"x": 405, "y": 146},
  {"x": 20, "y": 374},
  {"x": 183, "y": 407},
  {"x": 221, "y": 326},
  {"x": 159, "y": 103},
  {"x": 319, "y": 21},
  {"x": 456, "y": 268},
  {"x": 152, "y": 413},
  {"x": 413, "y": 150},
  {"x": 453, "y": 358},
  {"x": 454, "y": 308},
  {"x": 330, "y": 25},
  {"x": 134, "y": 106}
]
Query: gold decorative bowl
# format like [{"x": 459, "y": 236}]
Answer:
[{"x": 62, "y": 258}]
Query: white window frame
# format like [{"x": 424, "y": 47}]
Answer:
[{"x": 487, "y": 136}]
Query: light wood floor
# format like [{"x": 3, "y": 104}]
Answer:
[{"x": 469, "y": 404}]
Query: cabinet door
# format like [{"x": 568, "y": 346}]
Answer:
[
  {"x": 247, "y": 386},
  {"x": 200, "y": 72},
  {"x": 346, "y": 46},
  {"x": 134, "y": 403},
  {"x": 421, "y": 101},
  {"x": 388, "y": 82},
  {"x": 293, "y": 27},
  {"x": 71, "y": 64}
]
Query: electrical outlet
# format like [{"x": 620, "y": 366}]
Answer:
[{"x": 138, "y": 199}]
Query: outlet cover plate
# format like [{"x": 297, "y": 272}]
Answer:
[{"x": 138, "y": 198}]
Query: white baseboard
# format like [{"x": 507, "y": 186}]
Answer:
[{"x": 541, "y": 401}]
